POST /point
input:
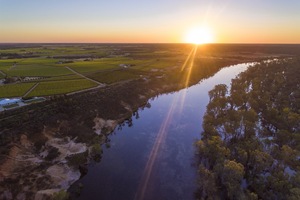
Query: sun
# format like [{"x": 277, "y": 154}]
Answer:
[{"x": 199, "y": 35}]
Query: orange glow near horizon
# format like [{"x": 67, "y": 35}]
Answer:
[{"x": 217, "y": 33}]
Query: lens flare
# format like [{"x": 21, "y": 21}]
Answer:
[
  {"x": 160, "y": 139},
  {"x": 199, "y": 35},
  {"x": 176, "y": 107}
]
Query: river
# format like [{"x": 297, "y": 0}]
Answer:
[{"x": 154, "y": 158}]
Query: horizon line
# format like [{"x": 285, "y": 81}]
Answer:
[{"x": 214, "y": 43}]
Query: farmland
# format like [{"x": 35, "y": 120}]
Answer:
[
  {"x": 50, "y": 65},
  {"x": 14, "y": 90},
  {"x": 22, "y": 66},
  {"x": 61, "y": 87}
]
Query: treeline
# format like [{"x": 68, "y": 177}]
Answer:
[
  {"x": 279, "y": 49},
  {"x": 250, "y": 146},
  {"x": 17, "y": 55}
]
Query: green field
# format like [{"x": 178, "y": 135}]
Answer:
[
  {"x": 59, "y": 50},
  {"x": 97, "y": 65},
  {"x": 14, "y": 90},
  {"x": 61, "y": 87},
  {"x": 46, "y": 64},
  {"x": 61, "y": 78},
  {"x": 35, "y": 67},
  {"x": 6, "y": 64},
  {"x": 158, "y": 64},
  {"x": 91, "y": 66},
  {"x": 114, "y": 76},
  {"x": 43, "y": 71}
]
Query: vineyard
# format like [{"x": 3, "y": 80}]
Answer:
[
  {"x": 14, "y": 90},
  {"x": 61, "y": 87}
]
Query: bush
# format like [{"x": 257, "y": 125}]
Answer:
[
  {"x": 61, "y": 195},
  {"x": 77, "y": 159}
]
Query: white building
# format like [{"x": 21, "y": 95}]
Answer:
[{"x": 6, "y": 102}]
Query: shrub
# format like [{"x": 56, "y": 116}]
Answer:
[
  {"x": 61, "y": 195},
  {"x": 77, "y": 159}
]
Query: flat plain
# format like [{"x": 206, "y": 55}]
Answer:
[
  {"x": 22, "y": 66},
  {"x": 65, "y": 68}
]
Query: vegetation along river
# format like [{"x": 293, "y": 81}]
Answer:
[{"x": 153, "y": 158}]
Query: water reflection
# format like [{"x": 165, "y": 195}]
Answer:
[{"x": 154, "y": 151}]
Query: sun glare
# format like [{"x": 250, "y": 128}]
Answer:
[{"x": 199, "y": 35}]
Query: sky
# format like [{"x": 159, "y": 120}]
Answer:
[{"x": 148, "y": 21}]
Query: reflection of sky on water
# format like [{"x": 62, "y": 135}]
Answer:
[{"x": 120, "y": 172}]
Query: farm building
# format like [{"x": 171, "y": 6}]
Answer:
[
  {"x": 6, "y": 102},
  {"x": 124, "y": 65}
]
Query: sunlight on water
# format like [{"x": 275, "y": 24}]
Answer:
[
  {"x": 153, "y": 158},
  {"x": 161, "y": 136}
]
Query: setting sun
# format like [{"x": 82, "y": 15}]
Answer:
[{"x": 199, "y": 35}]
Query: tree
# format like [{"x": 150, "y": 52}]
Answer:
[
  {"x": 252, "y": 134},
  {"x": 231, "y": 177}
]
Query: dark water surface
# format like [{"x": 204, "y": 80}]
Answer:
[{"x": 153, "y": 159}]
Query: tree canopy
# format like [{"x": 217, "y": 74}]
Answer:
[{"x": 250, "y": 146}]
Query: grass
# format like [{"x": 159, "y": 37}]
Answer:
[
  {"x": 102, "y": 64},
  {"x": 43, "y": 71},
  {"x": 6, "y": 64},
  {"x": 14, "y": 90},
  {"x": 61, "y": 87},
  {"x": 54, "y": 50},
  {"x": 61, "y": 78},
  {"x": 90, "y": 66},
  {"x": 32, "y": 67},
  {"x": 115, "y": 76}
]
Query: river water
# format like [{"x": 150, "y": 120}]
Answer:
[{"x": 154, "y": 158}]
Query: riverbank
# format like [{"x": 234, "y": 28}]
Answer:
[
  {"x": 36, "y": 140},
  {"x": 154, "y": 156}
]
